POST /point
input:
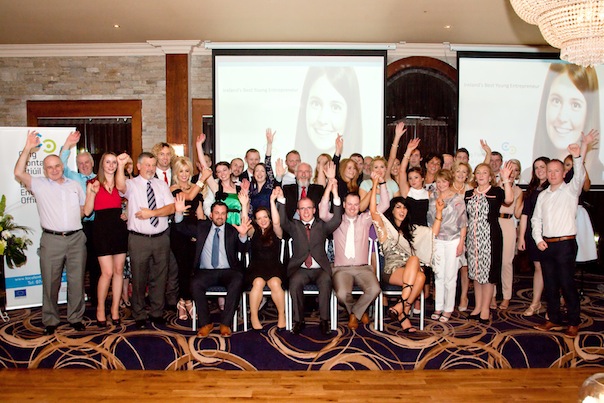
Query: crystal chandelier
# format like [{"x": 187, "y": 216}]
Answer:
[{"x": 576, "y": 27}]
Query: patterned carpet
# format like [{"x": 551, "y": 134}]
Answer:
[{"x": 509, "y": 342}]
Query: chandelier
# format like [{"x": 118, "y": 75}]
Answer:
[{"x": 576, "y": 27}]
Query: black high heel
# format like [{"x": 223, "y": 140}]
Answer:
[
  {"x": 101, "y": 323},
  {"x": 405, "y": 316},
  {"x": 393, "y": 314},
  {"x": 116, "y": 322}
]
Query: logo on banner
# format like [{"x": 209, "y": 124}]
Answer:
[{"x": 49, "y": 146}]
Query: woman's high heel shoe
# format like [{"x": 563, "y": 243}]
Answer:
[
  {"x": 532, "y": 309},
  {"x": 182, "y": 311},
  {"x": 189, "y": 308}
]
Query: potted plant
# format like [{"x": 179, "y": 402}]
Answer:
[{"x": 12, "y": 247}]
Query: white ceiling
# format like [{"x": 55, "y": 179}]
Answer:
[{"x": 377, "y": 21}]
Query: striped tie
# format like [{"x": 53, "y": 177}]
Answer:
[{"x": 152, "y": 205}]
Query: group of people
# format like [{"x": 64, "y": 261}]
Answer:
[{"x": 185, "y": 233}]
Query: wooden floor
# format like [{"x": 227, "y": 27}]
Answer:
[{"x": 535, "y": 385}]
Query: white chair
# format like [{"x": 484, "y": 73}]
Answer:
[
  {"x": 394, "y": 291},
  {"x": 217, "y": 291},
  {"x": 311, "y": 289}
]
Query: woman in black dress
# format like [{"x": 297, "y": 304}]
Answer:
[
  {"x": 182, "y": 246},
  {"x": 265, "y": 267},
  {"x": 525, "y": 236}
]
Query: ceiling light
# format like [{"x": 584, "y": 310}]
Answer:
[
  {"x": 576, "y": 27},
  {"x": 116, "y": 25}
]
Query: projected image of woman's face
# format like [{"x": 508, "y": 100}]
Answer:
[
  {"x": 326, "y": 112},
  {"x": 565, "y": 113}
]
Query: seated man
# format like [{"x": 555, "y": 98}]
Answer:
[
  {"x": 351, "y": 258},
  {"x": 309, "y": 262},
  {"x": 216, "y": 262}
]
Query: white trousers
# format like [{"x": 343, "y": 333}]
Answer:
[{"x": 446, "y": 266}]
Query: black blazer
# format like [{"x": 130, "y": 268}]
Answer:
[
  {"x": 290, "y": 192},
  {"x": 201, "y": 230},
  {"x": 318, "y": 234}
]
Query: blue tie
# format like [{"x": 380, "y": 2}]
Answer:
[{"x": 215, "y": 248}]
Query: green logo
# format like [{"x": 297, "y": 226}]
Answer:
[{"x": 49, "y": 146}]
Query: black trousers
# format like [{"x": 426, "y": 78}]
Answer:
[
  {"x": 558, "y": 265},
  {"x": 203, "y": 279}
]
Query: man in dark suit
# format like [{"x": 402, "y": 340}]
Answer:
[
  {"x": 309, "y": 262},
  {"x": 216, "y": 262},
  {"x": 301, "y": 189}
]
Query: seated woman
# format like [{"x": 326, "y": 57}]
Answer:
[
  {"x": 265, "y": 267},
  {"x": 403, "y": 246}
]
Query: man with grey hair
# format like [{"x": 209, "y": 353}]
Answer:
[
  {"x": 60, "y": 202},
  {"x": 85, "y": 164}
]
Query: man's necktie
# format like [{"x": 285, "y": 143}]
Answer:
[
  {"x": 152, "y": 205},
  {"x": 166, "y": 179},
  {"x": 215, "y": 248},
  {"x": 303, "y": 195},
  {"x": 308, "y": 261},
  {"x": 349, "y": 246}
]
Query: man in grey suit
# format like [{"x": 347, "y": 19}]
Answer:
[{"x": 309, "y": 262}]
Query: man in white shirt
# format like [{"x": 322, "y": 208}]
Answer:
[
  {"x": 554, "y": 231},
  {"x": 60, "y": 202},
  {"x": 85, "y": 164}
]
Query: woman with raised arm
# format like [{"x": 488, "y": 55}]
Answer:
[
  {"x": 462, "y": 174},
  {"x": 411, "y": 184},
  {"x": 182, "y": 246},
  {"x": 507, "y": 215},
  {"x": 110, "y": 236},
  {"x": 448, "y": 245},
  {"x": 404, "y": 246},
  {"x": 484, "y": 240},
  {"x": 378, "y": 166},
  {"x": 525, "y": 238},
  {"x": 263, "y": 180},
  {"x": 265, "y": 267},
  {"x": 394, "y": 164}
]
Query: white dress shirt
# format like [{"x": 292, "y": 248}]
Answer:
[{"x": 555, "y": 210}]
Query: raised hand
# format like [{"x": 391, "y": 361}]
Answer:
[
  {"x": 485, "y": 146},
  {"x": 277, "y": 192},
  {"x": 245, "y": 185},
  {"x": 200, "y": 139},
  {"x": 339, "y": 144},
  {"x": 245, "y": 226},
  {"x": 590, "y": 137},
  {"x": 400, "y": 129},
  {"x": 179, "y": 203},
  {"x": 506, "y": 171},
  {"x": 574, "y": 150},
  {"x": 32, "y": 140},
  {"x": 72, "y": 139},
  {"x": 205, "y": 174},
  {"x": 412, "y": 145},
  {"x": 244, "y": 197},
  {"x": 122, "y": 160},
  {"x": 280, "y": 167},
  {"x": 270, "y": 135},
  {"x": 330, "y": 170}
]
